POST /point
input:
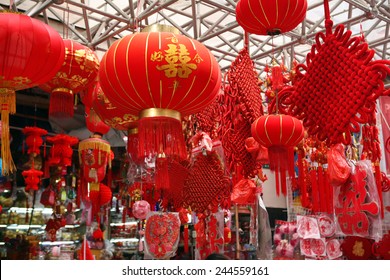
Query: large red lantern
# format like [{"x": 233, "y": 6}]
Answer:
[
  {"x": 31, "y": 52},
  {"x": 265, "y": 17},
  {"x": 159, "y": 77},
  {"x": 78, "y": 71},
  {"x": 279, "y": 133}
]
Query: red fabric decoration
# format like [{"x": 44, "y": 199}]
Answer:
[
  {"x": 34, "y": 139},
  {"x": 264, "y": 17},
  {"x": 244, "y": 192},
  {"x": 32, "y": 177},
  {"x": 279, "y": 133},
  {"x": 61, "y": 151},
  {"x": 353, "y": 79},
  {"x": 381, "y": 249},
  {"x": 207, "y": 184},
  {"x": 27, "y": 45},
  {"x": 78, "y": 71},
  {"x": 357, "y": 248},
  {"x": 84, "y": 252},
  {"x": 179, "y": 76},
  {"x": 94, "y": 123},
  {"x": 115, "y": 117},
  {"x": 162, "y": 234},
  {"x": 338, "y": 167}
]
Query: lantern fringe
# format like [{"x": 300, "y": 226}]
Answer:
[
  {"x": 61, "y": 103},
  {"x": 280, "y": 161},
  {"x": 161, "y": 175},
  {"x": 161, "y": 135},
  {"x": 7, "y": 100}
]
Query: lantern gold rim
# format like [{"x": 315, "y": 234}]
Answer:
[
  {"x": 158, "y": 112},
  {"x": 132, "y": 131},
  {"x": 161, "y": 28},
  {"x": 62, "y": 89}
]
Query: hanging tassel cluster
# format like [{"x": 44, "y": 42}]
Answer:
[
  {"x": 61, "y": 103},
  {"x": 8, "y": 106}
]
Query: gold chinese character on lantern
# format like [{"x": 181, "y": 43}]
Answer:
[{"x": 178, "y": 60}]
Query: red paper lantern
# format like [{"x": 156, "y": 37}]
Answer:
[
  {"x": 279, "y": 133},
  {"x": 79, "y": 70},
  {"x": 94, "y": 156},
  {"x": 31, "y": 52},
  {"x": 32, "y": 177},
  {"x": 159, "y": 77},
  {"x": 99, "y": 195},
  {"x": 34, "y": 138},
  {"x": 265, "y": 17},
  {"x": 112, "y": 116},
  {"x": 61, "y": 152}
]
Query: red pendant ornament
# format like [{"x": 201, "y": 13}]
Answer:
[
  {"x": 34, "y": 139},
  {"x": 94, "y": 123},
  {"x": 162, "y": 233},
  {"x": 265, "y": 17},
  {"x": 342, "y": 65},
  {"x": 26, "y": 45},
  {"x": 79, "y": 70},
  {"x": 61, "y": 151},
  {"x": 279, "y": 133},
  {"x": 32, "y": 177},
  {"x": 159, "y": 77}
]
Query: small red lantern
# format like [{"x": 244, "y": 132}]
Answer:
[
  {"x": 94, "y": 156},
  {"x": 279, "y": 133},
  {"x": 265, "y": 17},
  {"x": 31, "y": 52},
  {"x": 32, "y": 177},
  {"x": 159, "y": 77},
  {"x": 79, "y": 70},
  {"x": 34, "y": 138},
  {"x": 99, "y": 195},
  {"x": 61, "y": 152}
]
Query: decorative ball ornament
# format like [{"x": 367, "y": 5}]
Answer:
[
  {"x": 78, "y": 71},
  {"x": 26, "y": 44},
  {"x": 159, "y": 77},
  {"x": 279, "y": 133},
  {"x": 141, "y": 209},
  {"x": 265, "y": 17}
]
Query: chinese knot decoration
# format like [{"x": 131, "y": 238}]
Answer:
[
  {"x": 79, "y": 70},
  {"x": 340, "y": 64},
  {"x": 32, "y": 177},
  {"x": 279, "y": 133},
  {"x": 34, "y": 139},
  {"x": 31, "y": 52},
  {"x": 61, "y": 152},
  {"x": 159, "y": 77},
  {"x": 265, "y": 17}
]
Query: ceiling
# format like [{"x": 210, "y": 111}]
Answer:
[{"x": 98, "y": 23}]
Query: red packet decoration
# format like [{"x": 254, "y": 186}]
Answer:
[
  {"x": 357, "y": 248},
  {"x": 285, "y": 239},
  {"x": 326, "y": 225},
  {"x": 356, "y": 207},
  {"x": 307, "y": 227},
  {"x": 333, "y": 249},
  {"x": 162, "y": 232}
]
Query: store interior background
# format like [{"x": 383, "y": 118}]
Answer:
[{"x": 99, "y": 23}]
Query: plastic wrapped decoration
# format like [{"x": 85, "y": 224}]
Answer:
[
  {"x": 338, "y": 168},
  {"x": 141, "y": 209},
  {"x": 357, "y": 205},
  {"x": 357, "y": 248},
  {"x": 162, "y": 234},
  {"x": 333, "y": 118}
]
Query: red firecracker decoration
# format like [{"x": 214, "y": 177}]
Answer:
[
  {"x": 32, "y": 177},
  {"x": 265, "y": 17},
  {"x": 279, "y": 133},
  {"x": 31, "y": 52},
  {"x": 159, "y": 77},
  {"x": 34, "y": 139},
  {"x": 79, "y": 70},
  {"x": 61, "y": 151}
]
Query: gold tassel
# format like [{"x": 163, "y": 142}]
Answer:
[{"x": 8, "y": 106}]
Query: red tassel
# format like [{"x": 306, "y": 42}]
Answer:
[
  {"x": 161, "y": 175},
  {"x": 301, "y": 180},
  {"x": 277, "y": 182},
  {"x": 61, "y": 103},
  {"x": 314, "y": 190},
  {"x": 322, "y": 193},
  {"x": 185, "y": 237},
  {"x": 378, "y": 179},
  {"x": 281, "y": 161},
  {"x": 161, "y": 134}
]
